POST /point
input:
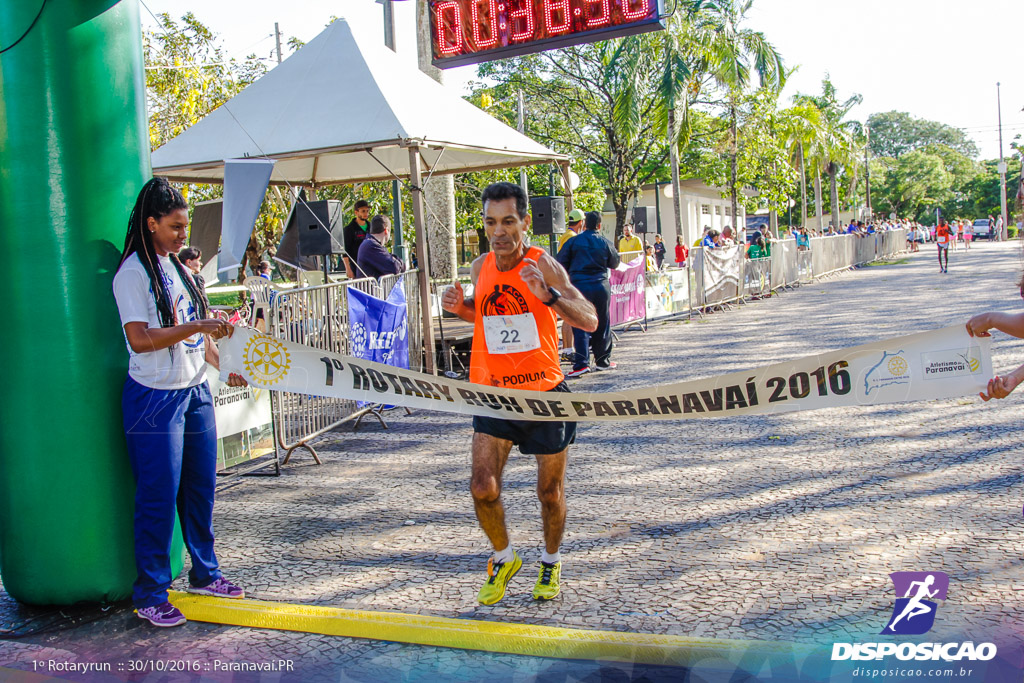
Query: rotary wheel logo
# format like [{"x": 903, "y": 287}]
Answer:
[
  {"x": 358, "y": 340},
  {"x": 266, "y": 360},
  {"x": 897, "y": 366}
]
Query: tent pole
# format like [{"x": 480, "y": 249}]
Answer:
[
  {"x": 564, "y": 168},
  {"x": 421, "y": 257}
]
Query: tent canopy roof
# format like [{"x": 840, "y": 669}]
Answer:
[{"x": 341, "y": 111}]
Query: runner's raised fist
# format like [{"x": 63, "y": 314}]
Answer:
[
  {"x": 534, "y": 279},
  {"x": 453, "y": 297}
]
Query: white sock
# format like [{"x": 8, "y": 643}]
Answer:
[
  {"x": 503, "y": 556},
  {"x": 551, "y": 558}
]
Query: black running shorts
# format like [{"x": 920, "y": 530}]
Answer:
[{"x": 532, "y": 437}]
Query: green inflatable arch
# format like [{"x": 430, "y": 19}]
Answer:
[{"x": 75, "y": 151}]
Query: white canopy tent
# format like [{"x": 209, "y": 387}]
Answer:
[{"x": 340, "y": 111}]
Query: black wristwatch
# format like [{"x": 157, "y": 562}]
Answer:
[{"x": 555, "y": 296}]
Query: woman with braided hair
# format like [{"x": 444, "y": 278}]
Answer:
[{"x": 168, "y": 410}]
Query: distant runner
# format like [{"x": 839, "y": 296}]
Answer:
[{"x": 943, "y": 235}]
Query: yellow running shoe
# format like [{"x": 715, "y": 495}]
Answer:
[
  {"x": 498, "y": 576},
  {"x": 547, "y": 581}
]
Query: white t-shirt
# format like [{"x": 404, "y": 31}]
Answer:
[{"x": 184, "y": 364}]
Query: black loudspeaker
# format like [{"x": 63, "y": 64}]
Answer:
[
  {"x": 319, "y": 227},
  {"x": 548, "y": 215},
  {"x": 645, "y": 219}
]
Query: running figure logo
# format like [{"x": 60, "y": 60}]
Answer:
[{"x": 914, "y": 613}]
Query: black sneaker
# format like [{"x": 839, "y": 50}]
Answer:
[
  {"x": 578, "y": 373},
  {"x": 610, "y": 366}
]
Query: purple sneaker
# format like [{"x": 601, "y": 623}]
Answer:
[
  {"x": 164, "y": 616},
  {"x": 221, "y": 588}
]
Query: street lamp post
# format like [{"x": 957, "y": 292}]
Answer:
[
  {"x": 396, "y": 188},
  {"x": 657, "y": 200}
]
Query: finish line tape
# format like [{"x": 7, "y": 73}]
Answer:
[
  {"x": 490, "y": 636},
  {"x": 928, "y": 365}
]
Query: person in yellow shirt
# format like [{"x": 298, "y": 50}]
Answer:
[
  {"x": 651, "y": 264},
  {"x": 573, "y": 224},
  {"x": 630, "y": 242}
]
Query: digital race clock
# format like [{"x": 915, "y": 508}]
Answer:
[{"x": 472, "y": 31}]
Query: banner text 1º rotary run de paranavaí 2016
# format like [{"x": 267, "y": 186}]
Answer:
[{"x": 928, "y": 365}]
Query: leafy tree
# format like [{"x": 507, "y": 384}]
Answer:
[
  {"x": 838, "y": 142},
  {"x": 731, "y": 55},
  {"x": 912, "y": 185},
  {"x": 187, "y": 77},
  {"x": 982, "y": 191},
  {"x": 596, "y": 102},
  {"x": 763, "y": 154},
  {"x": 801, "y": 126},
  {"x": 895, "y": 133}
]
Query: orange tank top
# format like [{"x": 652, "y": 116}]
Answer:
[{"x": 515, "y": 336}]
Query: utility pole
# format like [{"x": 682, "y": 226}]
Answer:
[
  {"x": 1002, "y": 167},
  {"x": 439, "y": 192},
  {"x": 396, "y": 188},
  {"x": 867, "y": 171},
  {"x": 277, "y": 36}
]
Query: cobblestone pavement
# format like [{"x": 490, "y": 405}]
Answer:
[{"x": 766, "y": 528}]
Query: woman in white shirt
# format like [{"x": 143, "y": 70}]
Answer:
[{"x": 168, "y": 410}]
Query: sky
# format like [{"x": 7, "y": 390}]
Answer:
[{"x": 936, "y": 59}]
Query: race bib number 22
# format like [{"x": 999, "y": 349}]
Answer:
[{"x": 511, "y": 333}]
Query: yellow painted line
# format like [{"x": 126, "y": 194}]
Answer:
[{"x": 490, "y": 636}]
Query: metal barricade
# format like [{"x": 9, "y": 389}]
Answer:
[
  {"x": 890, "y": 243},
  {"x": 318, "y": 317},
  {"x": 718, "y": 275},
  {"x": 757, "y": 277},
  {"x": 411, "y": 283},
  {"x": 831, "y": 254},
  {"x": 863, "y": 249},
  {"x": 624, "y": 309},
  {"x": 784, "y": 272},
  {"x": 804, "y": 268},
  {"x": 667, "y": 293}
]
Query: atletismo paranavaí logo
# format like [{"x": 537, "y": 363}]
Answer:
[{"x": 914, "y": 614}]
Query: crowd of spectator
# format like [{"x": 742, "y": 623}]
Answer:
[{"x": 758, "y": 242}]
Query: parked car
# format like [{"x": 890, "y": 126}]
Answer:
[{"x": 982, "y": 229}]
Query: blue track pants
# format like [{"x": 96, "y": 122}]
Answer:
[{"x": 172, "y": 443}]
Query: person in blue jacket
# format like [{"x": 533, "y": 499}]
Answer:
[{"x": 587, "y": 258}]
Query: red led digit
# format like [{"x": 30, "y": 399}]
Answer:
[
  {"x": 445, "y": 47},
  {"x": 552, "y": 10},
  {"x": 643, "y": 8},
  {"x": 602, "y": 16},
  {"x": 478, "y": 22},
  {"x": 524, "y": 18}
]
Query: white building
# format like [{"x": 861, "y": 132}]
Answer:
[{"x": 701, "y": 205}]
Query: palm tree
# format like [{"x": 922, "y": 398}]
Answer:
[
  {"x": 802, "y": 125},
  {"x": 676, "y": 88},
  {"x": 837, "y": 135},
  {"x": 732, "y": 55}
]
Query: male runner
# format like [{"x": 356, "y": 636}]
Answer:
[
  {"x": 518, "y": 292},
  {"x": 943, "y": 235}
]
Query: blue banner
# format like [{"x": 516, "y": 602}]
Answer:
[{"x": 378, "y": 328}]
